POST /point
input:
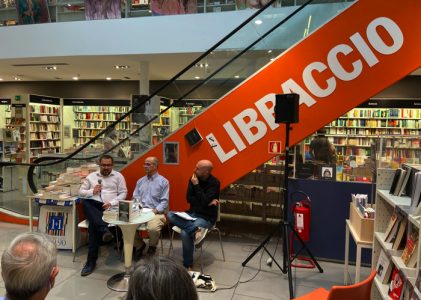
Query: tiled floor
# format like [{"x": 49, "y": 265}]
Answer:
[{"x": 258, "y": 281}]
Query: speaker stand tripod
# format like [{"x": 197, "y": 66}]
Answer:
[{"x": 284, "y": 226}]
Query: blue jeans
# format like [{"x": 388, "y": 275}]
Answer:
[{"x": 188, "y": 230}]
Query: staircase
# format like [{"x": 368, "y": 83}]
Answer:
[{"x": 360, "y": 52}]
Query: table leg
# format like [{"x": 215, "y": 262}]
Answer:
[
  {"x": 346, "y": 255},
  {"x": 30, "y": 214},
  {"x": 358, "y": 264},
  {"x": 120, "y": 282},
  {"x": 74, "y": 227}
]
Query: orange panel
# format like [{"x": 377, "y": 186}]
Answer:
[{"x": 326, "y": 66}]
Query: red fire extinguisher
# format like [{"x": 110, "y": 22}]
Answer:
[
  {"x": 302, "y": 216},
  {"x": 301, "y": 210}
]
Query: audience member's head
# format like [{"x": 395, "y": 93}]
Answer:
[
  {"x": 161, "y": 278},
  {"x": 29, "y": 266}
]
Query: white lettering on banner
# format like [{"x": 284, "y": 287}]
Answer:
[
  {"x": 266, "y": 111},
  {"x": 311, "y": 84},
  {"x": 213, "y": 142},
  {"x": 253, "y": 129},
  {"x": 246, "y": 126},
  {"x": 234, "y": 136}
]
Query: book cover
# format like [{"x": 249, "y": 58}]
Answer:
[
  {"x": 393, "y": 219},
  {"x": 384, "y": 267},
  {"x": 405, "y": 181},
  {"x": 392, "y": 235},
  {"x": 410, "y": 247},
  {"x": 398, "y": 187},
  {"x": 124, "y": 209},
  {"x": 396, "y": 285},
  {"x": 395, "y": 181},
  {"x": 416, "y": 190},
  {"x": 400, "y": 235}
]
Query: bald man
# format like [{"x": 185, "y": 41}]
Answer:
[{"x": 202, "y": 195}]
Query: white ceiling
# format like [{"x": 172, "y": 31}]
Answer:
[{"x": 161, "y": 67}]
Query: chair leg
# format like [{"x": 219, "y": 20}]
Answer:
[
  {"x": 171, "y": 238},
  {"x": 220, "y": 242},
  {"x": 201, "y": 259}
]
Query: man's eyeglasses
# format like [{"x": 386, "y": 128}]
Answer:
[
  {"x": 106, "y": 165},
  {"x": 147, "y": 164}
]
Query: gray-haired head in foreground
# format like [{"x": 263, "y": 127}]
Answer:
[
  {"x": 161, "y": 278},
  {"x": 26, "y": 265}
]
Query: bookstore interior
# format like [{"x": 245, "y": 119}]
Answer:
[{"x": 375, "y": 146}]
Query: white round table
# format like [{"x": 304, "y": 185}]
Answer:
[{"x": 120, "y": 282}]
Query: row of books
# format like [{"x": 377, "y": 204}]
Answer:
[
  {"x": 99, "y": 124},
  {"x": 45, "y": 118},
  {"x": 44, "y": 127},
  {"x": 108, "y": 116},
  {"x": 380, "y": 123},
  {"x": 103, "y": 109},
  {"x": 43, "y": 109},
  {"x": 384, "y": 113}
]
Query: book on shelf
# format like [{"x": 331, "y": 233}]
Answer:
[
  {"x": 416, "y": 192},
  {"x": 407, "y": 291},
  {"x": 395, "y": 181},
  {"x": 393, "y": 219},
  {"x": 418, "y": 281},
  {"x": 384, "y": 267},
  {"x": 402, "y": 175},
  {"x": 400, "y": 234},
  {"x": 409, "y": 254},
  {"x": 396, "y": 285},
  {"x": 390, "y": 238},
  {"x": 402, "y": 189}
]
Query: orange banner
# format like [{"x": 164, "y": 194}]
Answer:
[{"x": 356, "y": 55}]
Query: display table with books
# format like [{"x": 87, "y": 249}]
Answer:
[{"x": 120, "y": 282}]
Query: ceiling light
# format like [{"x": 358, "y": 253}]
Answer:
[
  {"x": 75, "y": 77},
  {"x": 51, "y": 67},
  {"x": 258, "y": 22},
  {"x": 196, "y": 77},
  {"x": 122, "y": 67},
  {"x": 1, "y": 79},
  {"x": 237, "y": 76},
  {"x": 108, "y": 78},
  {"x": 17, "y": 78},
  {"x": 269, "y": 51},
  {"x": 272, "y": 59}
]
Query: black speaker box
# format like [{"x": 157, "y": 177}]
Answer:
[{"x": 286, "y": 108}]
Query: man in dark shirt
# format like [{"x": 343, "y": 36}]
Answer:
[
  {"x": 203, "y": 195},
  {"x": 321, "y": 148}
]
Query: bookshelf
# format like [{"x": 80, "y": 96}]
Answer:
[
  {"x": 45, "y": 126},
  {"x": 16, "y": 127},
  {"x": 391, "y": 128},
  {"x": 386, "y": 205},
  {"x": 87, "y": 117}
]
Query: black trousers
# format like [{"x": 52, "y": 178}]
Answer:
[{"x": 93, "y": 212}]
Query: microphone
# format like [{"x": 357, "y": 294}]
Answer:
[{"x": 100, "y": 182}]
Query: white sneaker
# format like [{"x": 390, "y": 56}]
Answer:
[{"x": 200, "y": 235}]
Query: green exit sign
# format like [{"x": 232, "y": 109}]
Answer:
[{"x": 17, "y": 98}]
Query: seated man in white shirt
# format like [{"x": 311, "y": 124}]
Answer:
[
  {"x": 101, "y": 190},
  {"x": 152, "y": 190}
]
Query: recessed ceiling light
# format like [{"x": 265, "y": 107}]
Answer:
[
  {"x": 237, "y": 76},
  {"x": 269, "y": 51},
  {"x": 108, "y": 78},
  {"x": 51, "y": 67},
  {"x": 272, "y": 59},
  {"x": 75, "y": 78},
  {"x": 1, "y": 79},
  {"x": 258, "y": 22},
  {"x": 17, "y": 78},
  {"x": 122, "y": 67},
  {"x": 196, "y": 77}
]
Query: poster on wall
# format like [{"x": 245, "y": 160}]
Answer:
[
  {"x": 171, "y": 156},
  {"x": 173, "y": 7},
  {"x": 102, "y": 9},
  {"x": 32, "y": 11}
]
